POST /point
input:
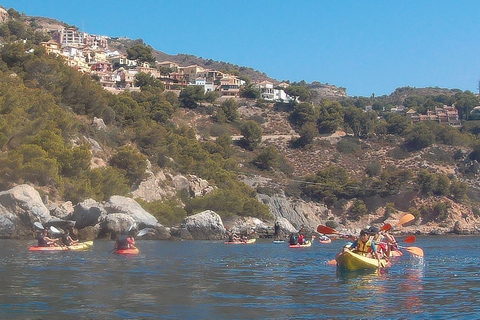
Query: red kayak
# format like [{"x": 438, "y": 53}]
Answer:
[
  {"x": 52, "y": 248},
  {"x": 127, "y": 251}
]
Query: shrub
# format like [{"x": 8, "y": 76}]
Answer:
[{"x": 348, "y": 146}]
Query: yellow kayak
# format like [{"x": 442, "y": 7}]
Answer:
[
  {"x": 351, "y": 261},
  {"x": 249, "y": 241},
  {"x": 305, "y": 245},
  {"x": 81, "y": 246}
]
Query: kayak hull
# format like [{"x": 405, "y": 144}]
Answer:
[
  {"x": 53, "y": 248},
  {"x": 351, "y": 261},
  {"x": 249, "y": 241},
  {"x": 127, "y": 251},
  {"x": 82, "y": 246},
  {"x": 306, "y": 245}
]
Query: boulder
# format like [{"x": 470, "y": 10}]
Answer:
[
  {"x": 88, "y": 213},
  {"x": 206, "y": 225},
  {"x": 20, "y": 207},
  {"x": 119, "y": 204},
  {"x": 62, "y": 211},
  {"x": 285, "y": 227},
  {"x": 115, "y": 223},
  {"x": 300, "y": 213}
]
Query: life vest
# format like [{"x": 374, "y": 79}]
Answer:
[{"x": 364, "y": 247}]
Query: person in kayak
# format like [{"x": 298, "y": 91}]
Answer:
[
  {"x": 125, "y": 241},
  {"x": 44, "y": 240},
  {"x": 293, "y": 239},
  {"x": 301, "y": 239},
  {"x": 233, "y": 237},
  {"x": 377, "y": 238},
  {"x": 391, "y": 242},
  {"x": 365, "y": 246},
  {"x": 67, "y": 240}
]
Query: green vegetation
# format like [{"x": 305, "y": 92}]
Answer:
[
  {"x": 46, "y": 111},
  {"x": 45, "y": 106}
]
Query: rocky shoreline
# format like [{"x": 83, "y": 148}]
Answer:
[{"x": 22, "y": 206}]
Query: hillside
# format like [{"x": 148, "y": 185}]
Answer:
[{"x": 363, "y": 167}]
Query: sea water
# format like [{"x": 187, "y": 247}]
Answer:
[{"x": 213, "y": 280}]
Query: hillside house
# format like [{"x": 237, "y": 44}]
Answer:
[
  {"x": 52, "y": 46},
  {"x": 207, "y": 85},
  {"x": 268, "y": 92},
  {"x": 168, "y": 64},
  {"x": 447, "y": 115},
  {"x": 68, "y": 37},
  {"x": 230, "y": 86},
  {"x": 191, "y": 72},
  {"x": 122, "y": 62}
]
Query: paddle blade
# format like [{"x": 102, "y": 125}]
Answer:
[
  {"x": 332, "y": 262},
  {"x": 143, "y": 232},
  {"x": 55, "y": 230},
  {"x": 326, "y": 230},
  {"x": 38, "y": 225},
  {"x": 410, "y": 239},
  {"x": 406, "y": 218},
  {"x": 386, "y": 227},
  {"x": 415, "y": 251}
]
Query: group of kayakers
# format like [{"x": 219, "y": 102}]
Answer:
[
  {"x": 297, "y": 238},
  {"x": 374, "y": 243},
  {"x": 45, "y": 241},
  {"x": 124, "y": 241},
  {"x": 234, "y": 237}
]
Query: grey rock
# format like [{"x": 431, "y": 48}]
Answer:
[
  {"x": 20, "y": 207},
  {"x": 88, "y": 213},
  {"x": 206, "y": 225},
  {"x": 119, "y": 204}
]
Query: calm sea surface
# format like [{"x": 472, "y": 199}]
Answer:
[{"x": 211, "y": 280}]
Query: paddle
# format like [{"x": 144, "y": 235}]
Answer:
[
  {"x": 414, "y": 250},
  {"x": 386, "y": 227},
  {"x": 38, "y": 225},
  {"x": 326, "y": 230},
  {"x": 410, "y": 239},
  {"x": 143, "y": 232},
  {"x": 55, "y": 230},
  {"x": 406, "y": 218}
]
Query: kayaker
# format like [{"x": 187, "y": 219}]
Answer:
[
  {"x": 365, "y": 246},
  {"x": 301, "y": 239},
  {"x": 233, "y": 237},
  {"x": 124, "y": 241},
  {"x": 293, "y": 239},
  {"x": 277, "y": 231},
  {"x": 67, "y": 240},
  {"x": 44, "y": 240},
  {"x": 391, "y": 242},
  {"x": 377, "y": 238}
]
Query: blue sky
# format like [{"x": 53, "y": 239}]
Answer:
[{"x": 364, "y": 46}]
